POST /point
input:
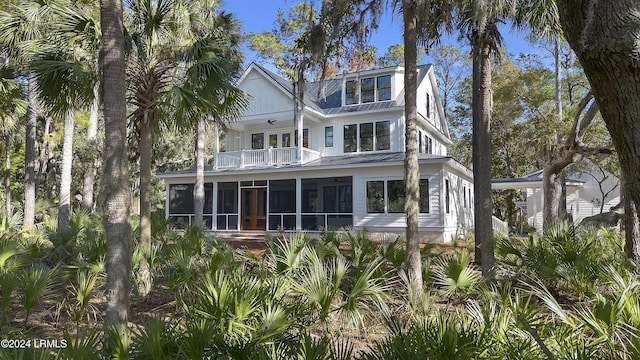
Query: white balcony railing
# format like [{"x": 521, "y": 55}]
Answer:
[{"x": 264, "y": 157}]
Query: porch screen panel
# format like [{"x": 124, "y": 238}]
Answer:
[
  {"x": 327, "y": 203},
  {"x": 282, "y": 196},
  {"x": 227, "y": 206},
  {"x": 181, "y": 199},
  {"x": 282, "y": 204}
]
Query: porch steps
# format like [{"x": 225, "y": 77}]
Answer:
[{"x": 251, "y": 241}]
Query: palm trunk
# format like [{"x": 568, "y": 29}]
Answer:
[
  {"x": 198, "y": 191},
  {"x": 45, "y": 149},
  {"x": 7, "y": 176},
  {"x": 30, "y": 157},
  {"x": 145, "y": 145},
  {"x": 90, "y": 169},
  {"x": 64, "y": 203},
  {"x": 116, "y": 172},
  {"x": 482, "y": 157},
  {"x": 412, "y": 169}
]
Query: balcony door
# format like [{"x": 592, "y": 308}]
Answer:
[{"x": 254, "y": 209}]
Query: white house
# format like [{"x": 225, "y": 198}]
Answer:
[
  {"x": 339, "y": 165},
  {"x": 590, "y": 191}
]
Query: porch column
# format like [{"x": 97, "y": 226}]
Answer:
[
  {"x": 300, "y": 136},
  {"x": 298, "y": 203},
  {"x": 214, "y": 205},
  {"x": 216, "y": 148}
]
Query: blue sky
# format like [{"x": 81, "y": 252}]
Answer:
[{"x": 259, "y": 15}]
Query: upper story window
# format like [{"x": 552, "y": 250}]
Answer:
[
  {"x": 367, "y": 136},
  {"x": 370, "y": 89},
  {"x": 384, "y": 87},
  {"x": 328, "y": 136},
  {"x": 350, "y": 97},
  {"x": 367, "y": 89},
  {"x": 428, "y": 105},
  {"x": 257, "y": 141}
]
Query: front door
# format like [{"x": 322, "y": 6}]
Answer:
[{"x": 254, "y": 209}]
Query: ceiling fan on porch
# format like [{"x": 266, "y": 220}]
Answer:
[{"x": 272, "y": 121}]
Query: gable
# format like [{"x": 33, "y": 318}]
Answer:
[{"x": 265, "y": 95}]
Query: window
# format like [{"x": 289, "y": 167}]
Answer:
[
  {"x": 392, "y": 193},
  {"x": 273, "y": 140},
  {"x": 305, "y": 138},
  {"x": 424, "y": 196},
  {"x": 420, "y": 144},
  {"x": 396, "y": 196},
  {"x": 447, "y": 196},
  {"x": 464, "y": 195},
  {"x": 328, "y": 136},
  {"x": 384, "y": 88},
  {"x": 367, "y": 90},
  {"x": 383, "y": 135},
  {"x": 428, "y": 105},
  {"x": 350, "y": 93},
  {"x": 366, "y": 137},
  {"x": 257, "y": 141},
  {"x": 375, "y": 196},
  {"x": 429, "y": 142},
  {"x": 350, "y": 138},
  {"x": 286, "y": 140}
]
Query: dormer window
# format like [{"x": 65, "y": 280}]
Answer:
[
  {"x": 367, "y": 89},
  {"x": 350, "y": 93},
  {"x": 384, "y": 88},
  {"x": 370, "y": 89}
]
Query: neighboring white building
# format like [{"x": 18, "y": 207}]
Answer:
[
  {"x": 349, "y": 170},
  {"x": 589, "y": 190}
]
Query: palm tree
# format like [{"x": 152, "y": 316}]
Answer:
[
  {"x": 479, "y": 21},
  {"x": 12, "y": 106},
  {"x": 175, "y": 69},
  {"x": 65, "y": 83},
  {"x": 21, "y": 29},
  {"x": 115, "y": 172},
  {"x": 212, "y": 81},
  {"x": 422, "y": 20}
]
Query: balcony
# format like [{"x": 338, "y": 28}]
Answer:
[{"x": 264, "y": 158}]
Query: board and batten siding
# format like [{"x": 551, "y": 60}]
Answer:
[
  {"x": 265, "y": 96},
  {"x": 396, "y": 221},
  {"x": 459, "y": 220}
]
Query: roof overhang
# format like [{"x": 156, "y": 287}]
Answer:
[
  {"x": 516, "y": 184},
  {"x": 306, "y": 167}
]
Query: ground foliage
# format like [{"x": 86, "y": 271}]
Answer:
[{"x": 570, "y": 293}]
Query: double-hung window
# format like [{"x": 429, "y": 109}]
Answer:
[
  {"x": 367, "y": 136},
  {"x": 388, "y": 196}
]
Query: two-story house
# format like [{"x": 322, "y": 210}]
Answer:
[{"x": 340, "y": 164}]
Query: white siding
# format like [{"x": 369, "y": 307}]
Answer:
[
  {"x": 459, "y": 219},
  {"x": 265, "y": 96}
]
